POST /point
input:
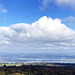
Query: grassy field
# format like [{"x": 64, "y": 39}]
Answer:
[{"x": 8, "y": 64}]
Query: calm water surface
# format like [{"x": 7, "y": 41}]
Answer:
[{"x": 36, "y": 57}]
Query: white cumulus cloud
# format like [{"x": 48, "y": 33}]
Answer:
[{"x": 45, "y": 33}]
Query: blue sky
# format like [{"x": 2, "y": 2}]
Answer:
[
  {"x": 29, "y": 11},
  {"x": 14, "y": 14}
]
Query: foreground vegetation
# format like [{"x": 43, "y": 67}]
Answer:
[{"x": 37, "y": 70}]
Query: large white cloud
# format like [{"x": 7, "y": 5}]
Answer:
[{"x": 45, "y": 33}]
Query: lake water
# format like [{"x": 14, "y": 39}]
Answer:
[{"x": 36, "y": 57}]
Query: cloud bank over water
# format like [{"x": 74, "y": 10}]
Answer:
[{"x": 45, "y": 33}]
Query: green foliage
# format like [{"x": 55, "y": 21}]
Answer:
[
  {"x": 17, "y": 74},
  {"x": 2, "y": 73},
  {"x": 37, "y": 70}
]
